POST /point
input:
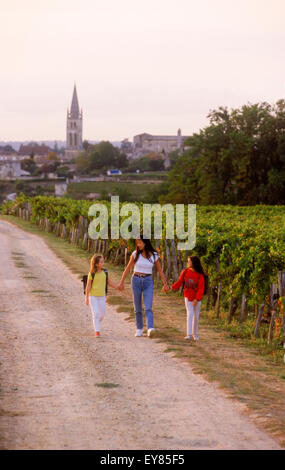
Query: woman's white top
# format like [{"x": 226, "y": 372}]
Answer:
[{"x": 144, "y": 265}]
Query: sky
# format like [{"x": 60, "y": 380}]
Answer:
[{"x": 152, "y": 66}]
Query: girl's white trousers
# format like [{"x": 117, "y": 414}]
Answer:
[
  {"x": 98, "y": 308},
  {"x": 193, "y": 312}
]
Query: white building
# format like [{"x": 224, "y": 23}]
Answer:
[
  {"x": 158, "y": 143},
  {"x": 10, "y": 169}
]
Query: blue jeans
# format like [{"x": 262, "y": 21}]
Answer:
[{"x": 143, "y": 287}]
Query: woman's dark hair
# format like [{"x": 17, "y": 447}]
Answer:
[
  {"x": 196, "y": 263},
  {"x": 149, "y": 250}
]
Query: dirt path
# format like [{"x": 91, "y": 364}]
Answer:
[{"x": 51, "y": 366}]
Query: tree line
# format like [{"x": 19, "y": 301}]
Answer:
[
  {"x": 239, "y": 158},
  {"x": 98, "y": 158}
]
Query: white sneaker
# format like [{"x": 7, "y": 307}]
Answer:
[
  {"x": 139, "y": 333},
  {"x": 150, "y": 332},
  {"x": 196, "y": 338},
  {"x": 187, "y": 337}
]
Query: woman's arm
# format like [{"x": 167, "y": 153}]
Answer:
[
  {"x": 162, "y": 276},
  {"x": 87, "y": 290},
  {"x": 110, "y": 283},
  {"x": 126, "y": 272}
]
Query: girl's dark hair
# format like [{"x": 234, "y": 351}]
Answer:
[
  {"x": 196, "y": 263},
  {"x": 149, "y": 250}
]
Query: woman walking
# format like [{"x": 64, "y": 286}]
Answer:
[
  {"x": 193, "y": 280},
  {"x": 96, "y": 290},
  {"x": 143, "y": 259}
]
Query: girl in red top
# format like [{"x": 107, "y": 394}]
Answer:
[{"x": 193, "y": 281}]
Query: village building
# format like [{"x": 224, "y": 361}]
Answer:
[
  {"x": 164, "y": 144},
  {"x": 10, "y": 168},
  {"x": 38, "y": 152}
]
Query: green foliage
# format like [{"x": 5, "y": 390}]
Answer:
[
  {"x": 150, "y": 162},
  {"x": 28, "y": 164},
  {"x": 26, "y": 188},
  {"x": 64, "y": 171},
  {"x": 123, "y": 193},
  {"x": 238, "y": 159},
  {"x": 50, "y": 166},
  {"x": 156, "y": 192},
  {"x": 125, "y": 190},
  {"x": 237, "y": 330},
  {"x": 100, "y": 156},
  {"x": 141, "y": 164},
  {"x": 156, "y": 164}
]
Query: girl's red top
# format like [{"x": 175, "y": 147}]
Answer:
[{"x": 193, "y": 284}]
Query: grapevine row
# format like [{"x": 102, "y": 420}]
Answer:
[{"x": 241, "y": 248}]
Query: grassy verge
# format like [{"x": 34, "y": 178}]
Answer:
[
  {"x": 243, "y": 369},
  {"x": 157, "y": 175},
  {"x": 137, "y": 191}
]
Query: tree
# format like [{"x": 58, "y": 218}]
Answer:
[
  {"x": 100, "y": 156},
  {"x": 28, "y": 164},
  {"x": 141, "y": 164},
  {"x": 48, "y": 167},
  {"x": 156, "y": 161},
  {"x": 64, "y": 171},
  {"x": 173, "y": 156},
  {"x": 85, "y": 145},
  {"x": 156, "y": 165},
  {"x": 239, "y": 158},
  {"x": 82, "y": 163},
  {"x": 52, "y": 157}
]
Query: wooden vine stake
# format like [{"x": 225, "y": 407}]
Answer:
[
  {"x": 218, "y": 303},
  {"x": 258, "y": 321},
  {"x": 168, "y": 260},
  {"x": 273, "y": 312},
  {"x": 208, "y": 304},
  {"x": 271, "y": 326},
  {"x": 232, "y": 309},
  {"x": 281, "y": 287},
  {"x": 175, "y": 261},
  {"x": 243, "y": 311}
]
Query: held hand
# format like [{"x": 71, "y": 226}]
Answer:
[
  {"x": 165, "y": 288},
  {"x": 86, "y": 301},
  {"x": 121, "y": 286}
]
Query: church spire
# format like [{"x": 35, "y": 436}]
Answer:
[
  {"x": 73, "y": 128},
  {"x": 74, "y": 110}
]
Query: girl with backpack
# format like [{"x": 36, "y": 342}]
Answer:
[
  {"x": 96, "y": 289},
  {"x": 193, "y": 281}
]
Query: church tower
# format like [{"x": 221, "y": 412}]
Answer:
[
  {"x": 73, "y": 128},
  {"x": 179, "y": 141}
]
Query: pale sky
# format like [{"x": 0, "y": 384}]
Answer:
[{"x": 139, "y": 66}]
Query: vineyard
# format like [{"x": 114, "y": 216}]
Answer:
[{"x": 242, "y": 250}]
